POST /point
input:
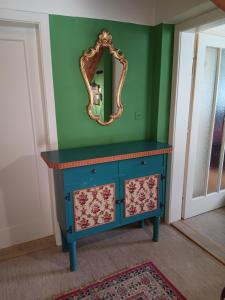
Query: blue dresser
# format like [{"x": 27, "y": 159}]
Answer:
[{"x": 104, "y": 187}]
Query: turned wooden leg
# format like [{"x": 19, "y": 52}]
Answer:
[
  {"x": 64, "y": 243},
  {"x": 156, "y": 222},
  {"x": 142, "y": 224},
  {"x": 72, "y": 254}
]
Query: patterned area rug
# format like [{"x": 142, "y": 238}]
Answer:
[{"x": 143, "y": 282}]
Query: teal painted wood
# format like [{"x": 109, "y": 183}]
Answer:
[
  {"x": 163, "y": 184},
  {"x": 60, "y": 203},
  {"x": 92, "y": 172},
  {"x": 141, "y": 165},
  {"x": 85, "y": 153},
  {"x": 72, "y": 254},
  {"x": 69, "y": 180}
]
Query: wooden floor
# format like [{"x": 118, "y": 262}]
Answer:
[
  {"x": 207, "y": 230},
  {"x": 211, "y": 225},
  {"x": 27, "y": 248},
  {"x": 41, "y": 274}
]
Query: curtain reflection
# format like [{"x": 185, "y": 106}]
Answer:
[
  {"x": 218, "y": 132},
  {"x": 206, "y": 104},
  {"x": 221, "y": 96}
]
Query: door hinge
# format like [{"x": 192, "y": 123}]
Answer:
[
  {"x": 163, "y": 177},
  {"x": 162, "y": 205},
  {"x": 67, "y": 197},
  {"x": 70, "y": 229}
]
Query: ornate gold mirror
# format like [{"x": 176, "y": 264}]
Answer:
[{"x": 104, "y": 70}]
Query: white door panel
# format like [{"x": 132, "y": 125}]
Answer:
[
  {"x": 25, "y": 210},
  {"x": 205, "y": 154}
]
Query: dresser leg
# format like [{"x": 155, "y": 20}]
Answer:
[
  {"x": 64, "y": 243},
  {"x": 72, "y": 254},
  {"x": 156, "y": 222},
  {"x": 142, "y": 224}
]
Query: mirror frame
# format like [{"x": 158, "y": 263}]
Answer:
[{"x": 104, "y": 40}]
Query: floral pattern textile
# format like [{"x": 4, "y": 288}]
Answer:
[
  {"x": 141, "y": 195},
  {"x": 143, "y": 282},
  {"x": 94, "y": 206}
]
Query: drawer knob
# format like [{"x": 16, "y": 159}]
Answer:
[
  {"x": 93, "y": 170},
  {"x": 143, "y": 162}
]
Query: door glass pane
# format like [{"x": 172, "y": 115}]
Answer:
[
  {"x": 218, "y": 130},
  {"x": 206, "y": 103},
  {"x": 221, "y": 96}
]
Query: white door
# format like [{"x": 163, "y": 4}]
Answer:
[
  {"x": 205, "y": 172},
  {"x": 25, "y": 207}
]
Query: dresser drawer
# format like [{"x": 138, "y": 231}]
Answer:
[
  {"x": 141, "y": 165},
  {"x": 92, "y": 172}
]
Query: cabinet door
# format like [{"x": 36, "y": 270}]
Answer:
[
  {"x": 142, "y": 197},
  {"x": 93, "y": 207}
]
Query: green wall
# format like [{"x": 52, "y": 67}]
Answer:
[
  {"x": 146, "y": 92},
  {"x": 163, "y": 36}
]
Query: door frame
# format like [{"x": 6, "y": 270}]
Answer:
[
  {"x": 179, "y": 116},
  {"x": 41, "y": 23}
]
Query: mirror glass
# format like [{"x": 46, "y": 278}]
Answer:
[
  {"x": 103, "y": 72},
  {"x": 104, "y": 69}
]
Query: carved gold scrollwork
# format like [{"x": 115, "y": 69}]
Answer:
[{"x": 88, "y": 61}]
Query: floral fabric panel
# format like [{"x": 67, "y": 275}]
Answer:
[
  {"x": 94, "y": 206},
  {"x": 141, "y": 195}
]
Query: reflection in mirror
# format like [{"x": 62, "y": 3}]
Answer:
[{"x": 104, "y": 69}]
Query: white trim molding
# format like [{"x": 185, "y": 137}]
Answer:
[
  {"x": 179, "y": 113},
  {"x": 41, "y": 22}
]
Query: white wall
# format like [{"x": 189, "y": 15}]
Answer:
[
  {"x": 147, "y": 12},
  {"x": 174, "y": 11},
  {"x": 132, "y": 11},
  {"x": 218, "y": 30}
]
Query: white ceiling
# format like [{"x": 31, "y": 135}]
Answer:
[
  {"x": 175, "y": 11},
  {"x": 147, "y": 12}
]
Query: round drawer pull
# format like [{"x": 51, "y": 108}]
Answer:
[
  {"x": 143, "y": 162},
  {"x": 93, "y": 170}
]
